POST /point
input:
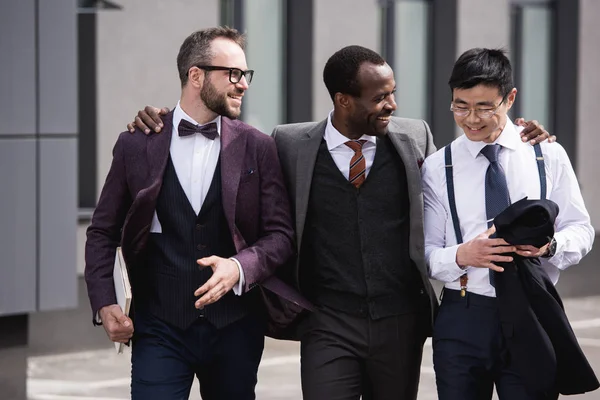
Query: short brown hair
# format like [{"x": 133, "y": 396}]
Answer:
[{"x": 196, "y": 48}]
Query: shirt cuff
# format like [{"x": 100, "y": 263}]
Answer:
[
  {"x": 444, "y": 267},
  {"x": 238, "y": 289}
]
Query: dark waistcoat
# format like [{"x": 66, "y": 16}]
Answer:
[
  {"x": 167, "y": 281},
  {"x": 355, "y": 255}
]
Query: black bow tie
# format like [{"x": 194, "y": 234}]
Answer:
[{"x": 209, "y": 131}]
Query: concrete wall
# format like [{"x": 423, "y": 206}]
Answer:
[
  {"x": 483, "y": 24},
  {"x": 137, "y": 51},
  {"x": 339, "y": 23},
  {"x": 588, "y": 143}
]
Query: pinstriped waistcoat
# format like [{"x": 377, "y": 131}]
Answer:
[{"x": 167, "y": 282}]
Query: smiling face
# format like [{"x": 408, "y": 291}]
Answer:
[
  {"x": 369, "y": 113},
  {"x": 218, "y": 93},
  {"x": 477, "y": 99}
]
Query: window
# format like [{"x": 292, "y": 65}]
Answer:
[
  {"x": 263, "y": 23},
  {"x": 406, "y": 41},
  {"x": 533, "y": 55}
]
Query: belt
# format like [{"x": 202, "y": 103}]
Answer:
[{"x": 453, "y": 296}]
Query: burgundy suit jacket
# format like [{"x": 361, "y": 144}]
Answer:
[{"x": 255, "y": 204}]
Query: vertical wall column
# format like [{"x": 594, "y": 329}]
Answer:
[
  {"x": 299, "y": 60},
  {"x": 586, "y": 107},
  {"x": 443, "y": 54}
]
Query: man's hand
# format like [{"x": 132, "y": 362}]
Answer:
[
  {"x": 483, "y": 252},
  {"x": 534, "y": 132},
  {"x": 225, "y": 276},
  {"x": 531, "y": 251},
  {"x": 117, "y": 325},
  {"x": 148, "y": 119}
]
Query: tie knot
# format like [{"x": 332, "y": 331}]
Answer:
[
  {"x": 491, "y": 152},
  {"x": 356, "y": 145}
]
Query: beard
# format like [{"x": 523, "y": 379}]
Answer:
[{"x": 217, "y": 102}]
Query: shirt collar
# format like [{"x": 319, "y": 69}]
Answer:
[
  {"x": 509, "y": 138},
  {"x": 334, "y": 138},
  {"x": 179, "y": 114}
]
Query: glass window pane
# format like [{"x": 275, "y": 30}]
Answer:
[
  {"x": 264, "y": 102},
  {"x": 411, "y": 58},
  {"x": 534, "y": 71}
]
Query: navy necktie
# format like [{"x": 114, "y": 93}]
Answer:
[
  {"x": 187, "y": 128},
  {"x": 497, "y": 198}
]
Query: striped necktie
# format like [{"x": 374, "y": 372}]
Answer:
[{"x": 358, "y": 166}]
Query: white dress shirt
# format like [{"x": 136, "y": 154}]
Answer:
[
  {"x": 195, "y": 159},
  {"x": 342, "y": 154},
  {"x": 574, "y": 233}
]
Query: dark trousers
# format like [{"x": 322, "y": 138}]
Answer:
[
  {"x": 469, "y": 353},
  {"x": 165, "y": 359},
  {"x": 344, "y": 356}
]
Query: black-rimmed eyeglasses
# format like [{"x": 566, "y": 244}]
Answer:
[{"x": 235, "y": 74}]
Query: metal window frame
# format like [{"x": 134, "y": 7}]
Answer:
[{"x": 565, "y": 65}]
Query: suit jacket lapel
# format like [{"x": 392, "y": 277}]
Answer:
[
  {"x": 233, "y": 148},
  {"x": 305, "y": 165},
  {"x": 405, "y": 147}
]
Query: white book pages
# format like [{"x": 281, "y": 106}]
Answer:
[{"x": 122, "y": 289}]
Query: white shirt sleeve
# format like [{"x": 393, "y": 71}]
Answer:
[
  {"x": 439, "y": 255},
  {"x": 574, "y": 233},
  {"x": 238, "y": 288}
]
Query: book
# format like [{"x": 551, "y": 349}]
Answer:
[{"x": 122, "y": 289}]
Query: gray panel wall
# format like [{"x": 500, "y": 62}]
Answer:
[
  {"x": 38, "y": 136},
  {"x": 57, "y": 223},
  {"x": 17, "y": 67},
  {"x": 57, "y": 67},
  {"x": 588, "y": 145},
  {"x": 18, "y": 244}
]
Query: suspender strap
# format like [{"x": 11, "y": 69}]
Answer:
[
  {"x": 539, "y": 158},
  {"x": 451, "y": 197}
]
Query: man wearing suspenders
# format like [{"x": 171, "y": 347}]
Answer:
[{"x": 465, "y": 186}]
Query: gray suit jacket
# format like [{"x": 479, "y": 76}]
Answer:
[{"x": 298, "y": 145}]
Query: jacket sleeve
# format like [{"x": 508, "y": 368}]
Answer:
[
  {"x": 275, "y": 243},
  {"x": 104, "y": 233}
]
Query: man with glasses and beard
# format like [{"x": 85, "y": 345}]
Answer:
[{"x": 203, "y": 217}]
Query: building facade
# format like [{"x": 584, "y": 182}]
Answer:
[{"x": 73, "y": 73}]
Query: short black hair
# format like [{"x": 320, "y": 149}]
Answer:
[
  {"x": 489, "y": 67},
  {"x": 342, "y": 68},
  {"x": 195, "y": 49}
]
